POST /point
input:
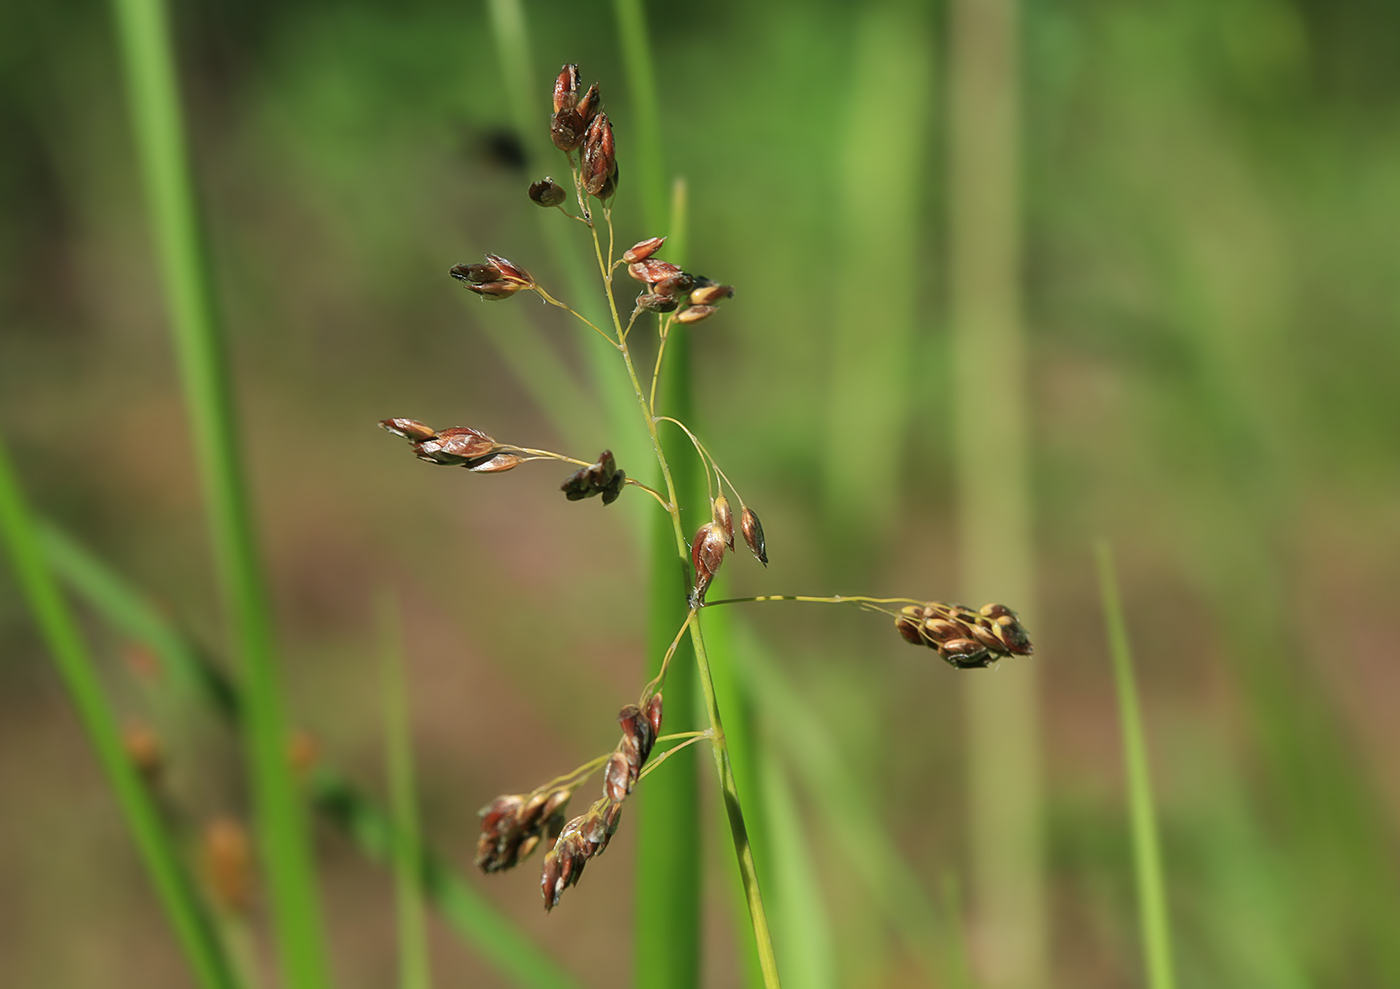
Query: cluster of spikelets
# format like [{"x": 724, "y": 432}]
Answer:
[
  {"x": 513, "y": 825},
  {"x": 668, "y": 288},
  {"x": 967, "y": 639}
]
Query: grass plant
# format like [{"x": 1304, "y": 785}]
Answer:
[
  {"x": 1161, "y": 273},
  {"x": 514, "y": 824}
]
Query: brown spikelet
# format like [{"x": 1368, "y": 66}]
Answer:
[
  {"x": 643, "y": 249},
  {"x": 495, "y": 280},
  {"x": 723, "y": 516},
  {"x": 459, "y": 446},
  {"x": 753, "y": 535},
  {"x": 513, "y": 824},
  {"x": 967, "y": 639},
  {"x": 706, "y": 554},
  {"x": 601, "y": 477},
  {"x": 695, "y": 314},
  {"x": 546, "y": 192},
  {"x": 599, "y": 159}
]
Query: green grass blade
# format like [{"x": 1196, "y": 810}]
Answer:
[
  {"x": 282, "y": 836},
  {"x": 414, "y": 972},
  {"x": 801, "y": 929},
  {"x": 191, "y": 675},
  {"x": 497, "y": 940},
  {"x": 844, "y": 804},
  {"x": 1147, "y": 855},
  {"x": 511, "y": 951},
  {"x": 886, "y": 126},
  {"x": 641, "y": 85},
  {"x": 157, "y": 848},
  {"x": 668, "y": 935}
]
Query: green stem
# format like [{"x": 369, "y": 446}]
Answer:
[
  {"x": 159, "y": 135},
  {"x": 157, "y": 848},
  {"x": 733, "y": 808}
]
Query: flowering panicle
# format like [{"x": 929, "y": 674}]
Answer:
[{"x": 514, "y": 825}]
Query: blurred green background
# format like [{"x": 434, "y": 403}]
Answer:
[{"x": 1209, "y": 201}]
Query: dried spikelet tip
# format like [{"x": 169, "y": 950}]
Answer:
[{"x": 966, "y": 639}]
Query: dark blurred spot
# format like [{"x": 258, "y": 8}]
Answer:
[{"x": 502, "y": 148}]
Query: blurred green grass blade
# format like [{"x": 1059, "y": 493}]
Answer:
[
  {"x": 282, "y": 836},
  {"x": 882, "y": 173},
  {"x": 802, "y": 933},
  {"x": 668, "y": 934},
  {"x": 511, "y": 951},
  {"x": 414, "y": 971},
  {"x": 159, "y": 851},
  {"x": 957, "y": 966},
  {"x": 1147, "y": 854},
  {"x": 128, "y": 611},
  {"x": 641, "y": 85},
  {"x": 495, "y": 938},
  {"x": 746, "y": 759},
  {"x": 843, "y": 804}
]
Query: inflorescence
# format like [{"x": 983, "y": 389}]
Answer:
[{"x": 513, "y": 825}]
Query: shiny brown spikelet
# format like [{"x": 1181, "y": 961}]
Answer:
[
  {"x": 512, "y": 826},
  {"x": 707, "y": 554},
  {"x": 458, "y": 446},
  {"x": 965, "y": 638}
]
